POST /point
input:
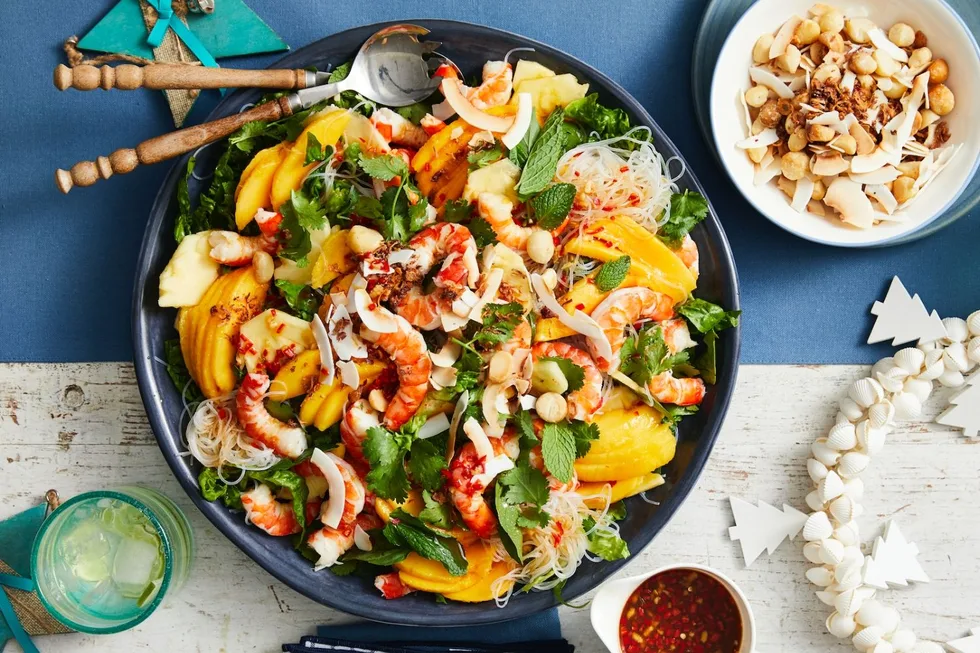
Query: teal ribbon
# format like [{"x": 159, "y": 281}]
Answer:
[
  {"x": 7, "y": 610},
  {"x": 168, "y": 19}
]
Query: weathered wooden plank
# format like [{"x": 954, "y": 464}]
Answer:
[{"x": 80, "y": 427}]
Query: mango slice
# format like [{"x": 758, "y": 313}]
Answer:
[
  {"x": 296, "y": 377},
  {"x": 620, "y": 489},
  {"x": 255, "y": 187},
  {"x": 289, "y": 176},
  {"x": 335, "y": 259},
  {"x": 632, "y": 442},
  {"x": 430, "y": 576},
  {"x": 483, "y": 589},
  {"x": 324, "y": 405}
]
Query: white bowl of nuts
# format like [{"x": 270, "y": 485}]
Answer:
[{"x": 848, "y": 126}]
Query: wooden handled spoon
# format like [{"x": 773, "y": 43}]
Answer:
[
  {"x": 162, "y": 76},
  {"x": 389, "y": 69}
]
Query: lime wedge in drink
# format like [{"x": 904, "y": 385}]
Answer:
[
  {"x": 86, "y": 550},
  {"x": 137, "y": 563}
]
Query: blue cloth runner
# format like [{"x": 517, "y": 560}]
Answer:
[
  {"x": 67, "y": 271},
  {"x": 535, "y": 627}
]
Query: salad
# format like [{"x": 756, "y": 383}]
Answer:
[{"x": 438, "y": 345}]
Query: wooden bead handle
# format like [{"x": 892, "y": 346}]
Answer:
[
  {"x": 161, "y": 148},
  {"x": 167, "y": 76}
]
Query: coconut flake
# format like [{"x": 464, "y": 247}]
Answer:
[
  {"x": 442, "y": 377},
  {"x": 865, "y": 163},
  {"x": 323, "y": 344},
  {"x": 401, "y": 256},
  {"x": 809, "y": 108},
  {"x": 803, "y": 194},
  {"x": 375, "y": 317},
  {"x": 451, "y": 90},
  {"x": 479, "y": 438},
  {"x": 491, "y": 286},
  {"x": 764, "y": 138},
  {"x": 526, "y": 402},
  {"x": 447, "y": 355},
  {"x": 493, "y": 404},
  {"x": 452, "y": 322},
  {"x": 829, "y": 165},
  {"x": 944, "y": 158},
  {"x": 349, "y": 374},
  {"x": 578, "y": 322},
  {"x": 333, "y": 508},
  {"x": 461, "y": 404},
  {"x": 816, "y": 207},
  {"x": 880, "y": 176},
  {"x": 783, "y": 37},
  {"x": 346, "y": 343},
  {"x": 765, "y": 174},
  {"x": 746, "y": 113},
  {"x": 361, "y": 539},
  {"x": 357, "y": 283},
  {"x": 881, "y": 41},
  {"x": 525, "y": 112},
  {"x": 767, "y": 79},
  {"x": 433, "y": 426},
  {"x": 850, "y": 201},
  {"x": 847, "y": 81},
  {"x": 884, "y": 196},
  {"x": 463, "y": 304},
  {"x": 899, "y": 129}
]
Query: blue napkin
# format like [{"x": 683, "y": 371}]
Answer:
[{"x": 542, "y": 626}]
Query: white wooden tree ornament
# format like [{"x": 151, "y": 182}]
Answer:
[
  {"x": 967, "y": 644},
  {"x": 904, "y": 318},
  {"x": 893, "y": 560},
  {"x": 763, "y": 528},
  {"x": 964, "y": 409}
]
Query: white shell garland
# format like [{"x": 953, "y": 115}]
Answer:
[{"x": 896, "y": 389}]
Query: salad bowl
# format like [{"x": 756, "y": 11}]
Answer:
[{"x": 468, "y": 46}]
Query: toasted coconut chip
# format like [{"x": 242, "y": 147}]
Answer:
[
  {"x": 375, "y": 317},
  {"x": 401, "y": 256},
  {"x": 767, "y": 79},
  {"x": 862, "y": 164},
  {"x": 762, "y": 139},
  {"x": 808, "y": 108},
  {"x": 461, "y": 404},
  {"x": 850, "y": 201},
  {"x": 479, "y": 438},
  {"x": 349, "y": 375},
  {"x": 898, "y": 131},
  {"x": 746, "y": 113},
  {"x": 847, "y": 81},
  {"x": 767, "y": 158},
  {"x": 578, "y": 322},
  {"x": 929, "y": 118},
  {"x": 491, "y": 286},
  {"x": 783, "y": 37},
  {"x": 944, "y": 158},
  {"x": 361, "y": 539},
  {"x": 442, "y": 377},
  {"x": 340, "y": 328},
  {"x": 357, "y": 283},
  {"x": 884, "y": 197},
  {"x": 333, "y": 507},
  {"x": 816, "y": 207},
  {"x": 799, "y": 82},
  {"x": 865, "y": 144},
  {"x": 447, "y": 355},
  {"x": 803, "y": 194},
  {"x": 493, "y": 404},
  {"x": 452, "y": 322},
  {"x": 763, "y": 175},
  {"x": 829, "y": 165},
  {"x": 526, "y": 402},
  {"x": 525, "y": 112},
  {"x": 323, "y": 344},
  {"x": 433, "y": 426},
  {"x": 832, "y": 119},
  {"x": 881, "y": 41},
  {"x": 880, "y": 176}
]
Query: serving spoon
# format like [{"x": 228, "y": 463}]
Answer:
[{"x": 389, "y": 69}]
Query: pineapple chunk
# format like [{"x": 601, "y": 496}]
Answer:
[
  {"x": 500, "y": 178},
  {"x": 271, "y": 338},
  {"x": 526, "y": 70},
  {"x": 291, "y": 271},
  {"x": 549, "y": 93},
  {"x": 190, "y": 272}
]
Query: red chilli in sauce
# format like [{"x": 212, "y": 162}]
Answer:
[{"x": 681, "y": 610}]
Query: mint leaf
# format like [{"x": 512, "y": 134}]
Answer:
[
  {"x": 612, "y": 273},
  {"x": 426, "y": 465},
  {"x": 705, "y": 316},
  {"x": 406, "y": 530},
  {"x": 687, "y": 209},
  {"x": 573, "y": 373},
  {"x": 384, "y": 166},
  {"x": 518, "y": 155},
  {"x": 435, "y": 513},
  {"x": 387, "y": 477},
  {"x": 289, "y": 480},
  {"x": 542, "y": 162},
  {"x": 183, "y": 225},
  {"x": 551, "y": 207},
  {"x": 558, "y": 448},
  {"x": 300, "y": 298},
  {"x": 377, "y": 556}
]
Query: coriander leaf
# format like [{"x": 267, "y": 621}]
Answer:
[
  {"x": 507, "y": 516},
  {"x": 551, "y": 207},
  {"x": 314, "y": 151},
  {"x": 249, "y": 135},
  {"x": 300, "y": 298},
  {"x": 499, "y": 323},
  {"x": 291, "y": 481},
  {"x": 542, "y": 162},
  {"x": 435, "y": 513},
  {"x": 525, "y": 484},
  {"x": 384, "y": 166},
  {"x": 687, "y": 209},
  {"x": 293, "y": 239},
  {"x": 482, "y": 232},
  {"x": 705, "y": 316},
  {"x": 178, "y": 372},
  {"x": 406, "y": 530},
  {"x": 483, "y": 157},
  {"x": 387, "y": 477},
  {"x": 605, "y": 543},
  {"x": 518, "y": 155},
  {"x": 183, "y": 225},
  {"x": 584, "y": 434},
  {"x": 606, "y": 122},
  {"x": 349, "y": 99},
  {"x": 426, "y": 465},
  {"x": 612, "y": 273},
  {"x": 340, "y": 73},
  {"x": 457, "y": 211},
  {"x": 672, "y": 414},
  {"x": 525, "y": 427},
  {"x": 352, "y": 155},
  {"x": 414, "y": 112},
  {"x": 417, "y": 214},
  {"x": 648, "y": 355},
  {"x": 573, "y": 373},
  {"x": 367, "y": 207},
  {"x": 308, "y": 211},
  {"x": 214, "y": 489},
  {"x": 558, "y": 449}
]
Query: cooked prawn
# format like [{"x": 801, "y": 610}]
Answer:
[
  {"x": 499, "y": 212},
  {"x": 622, "y": 308},
  {"x": 262, "y": 509},
  {"x": 677, "y": 335},
  {"x": 234, "y": 249},
  {"x": 331, "y": 543},
  {"x": 391, "y": 586},
  {"x": 688, "y": 253},
  {"x": 455, "y": 245},
  {"x": 285, "y": 440},
  {"x": 467, "y": 485},
  {"x": 584, "y": 402},
  {"x": 398, "y": 130},
  {"x": 358, "y": 418},
  {"x": 408, "y": 351},
  {"x": 431, "y": 124},
  {"x": 670, "y": 390},
  {"x": 268, "y": 221}
]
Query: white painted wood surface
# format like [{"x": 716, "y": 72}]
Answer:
[{"x": 81, "y": 427}]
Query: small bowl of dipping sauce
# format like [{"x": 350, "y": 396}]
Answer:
[{"x": 687, "y": 608}]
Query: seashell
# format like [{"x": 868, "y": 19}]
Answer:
[
  {"x": 854, "y": 488},
  {"x": 928, "y": 346},
  {"x": 955, "y": 357},
  {"x": 842, "y": 437},
  {"x": 830, "y": 487},
  {"x": 866, "y": 638},
  {"x": 858, "y": 510},
  {"x": 890, "y": 620},
  {"x": 840, "y": 626},
  {"x": 831, "y": 552},
  {"x": 871, "y": 613},
  {"x": 849, "y": 573},
  {"x": 934, "y": 366},
  {"x": 907, "y": 406},
  {"x": 816, "y": 469},
  {"x": 848, "y": 533},
  {"x": 811, "y": 551},
  {"x": 881, "y": 414},
  {"x": 973, "y": 350},
  {"x": 910, "y": 359},
  {"x": 852, "y": 464},
  {"x": 882, "y": 366},
  {"x": 871, "y": 440},
  {"x": 865, "y": 392},
  {"x": 921, "y": 389},
  {"x": 813, "y": 501},
  {"x": 820, "y": 576},
  {"x": 842, "y": 509},
  {"x": 827, "y": 597},
  {"x": 883, "y": 646},
  {"x": 841, "y": 418},
  {"x": 928, "y": 647},
  {"x": 903, "y": 640},
  {"x": 850, "y": 408},
  {"x": 823, "y": 453},
  {"x": 893, "y": 379},
  {"x": 852, "y": 583},
  {"x": 951, "y": 378},
  {"x": 956, "y": 329},
  {"x": 973, "y": 323},
  {"x": 817, "y": 527},
  {"x": 849, "y": 602}
]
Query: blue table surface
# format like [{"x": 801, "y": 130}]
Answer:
[{"x": 67, "y": 268}]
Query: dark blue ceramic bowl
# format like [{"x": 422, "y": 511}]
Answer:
[{"x": 469, "y": 46}]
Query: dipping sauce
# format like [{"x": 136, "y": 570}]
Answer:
[{"x": 681, "y": 610}]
